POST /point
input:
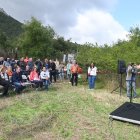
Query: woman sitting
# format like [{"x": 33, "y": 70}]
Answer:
[
  {"x": 34, "y": 78},
  {"x": 4, "y": 83},
  {"x": 4, "y": 74}
]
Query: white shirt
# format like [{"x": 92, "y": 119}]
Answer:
[
  {"x": 4, "y": 76},
  {"x": 45, "y": 74},
  {"x": 92, "y": 71}
]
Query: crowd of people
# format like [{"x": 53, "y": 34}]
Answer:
[
  {"x": 23, "y": 72},
  {"x": 39, "y": 74}
]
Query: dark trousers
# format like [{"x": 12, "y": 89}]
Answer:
[
  {"x": 38, "y": 83},
  {"x": 74, "y": 79},
  {"x": 5, "y": 85},
  {"x": 53, "y": 74}
]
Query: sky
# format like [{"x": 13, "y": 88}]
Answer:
[{"x": 82, "y": 21}]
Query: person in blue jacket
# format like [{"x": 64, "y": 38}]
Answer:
[{"x": 17, "y": 80}]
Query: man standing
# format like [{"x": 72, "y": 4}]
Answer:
[
  {"x": 52, "y": 71},
  {"x": 131, "y": 80}
]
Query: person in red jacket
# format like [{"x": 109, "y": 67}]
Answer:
[
  {"x": 74, "y": 72},
  {"x": 34, "y": 78}
]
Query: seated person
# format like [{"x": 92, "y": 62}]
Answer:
[
  {"x": 34, "y": 78},
  {"x": 9, "y": 73},
  {"x": 45, "y": 75},
  {"x": 26, "y": 72},
  {"x": 17, "y": 80},
  {"x": 5, "y": 84},
  {"x": 3, "y": 73}
]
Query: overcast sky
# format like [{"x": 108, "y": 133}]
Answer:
[{"x": 81, "y": 20}]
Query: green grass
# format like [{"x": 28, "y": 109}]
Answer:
[{"x": 65, "y": 112}]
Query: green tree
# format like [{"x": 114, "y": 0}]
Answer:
[
  {"x": 135, "y": 35},
  {"x": 36, "y": 40},
  {"x": 106, "y": 57}
]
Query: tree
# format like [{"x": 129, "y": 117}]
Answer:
[
  {"x": 36, "y": 40},
  {"x": 135, "y": 35}
]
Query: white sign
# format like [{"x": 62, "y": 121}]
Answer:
[
  {"x": 70, "y": 57},
  {"x": 64, "y": 58}
]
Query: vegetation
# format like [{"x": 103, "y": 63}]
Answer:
[
  {"x": 39, "y": 41},
  {"x": 106, "y": 57},
  {"x": 10, "y": 26},
  {"x": 64, "y": 112}
]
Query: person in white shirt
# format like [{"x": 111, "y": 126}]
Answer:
[
  {"x": 92, "y": 73},
  {"x": 45, "y": 75}
]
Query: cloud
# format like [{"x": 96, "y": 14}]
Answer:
[
  {"x": 68, "y": 18},
  {"x": 60, "y": 13},
  {"x": 96, "y": 26}
]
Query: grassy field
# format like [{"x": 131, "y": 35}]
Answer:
[{"x": 65, "y": 112}]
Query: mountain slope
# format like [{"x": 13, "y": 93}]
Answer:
[{"x": 10, "y": 26}]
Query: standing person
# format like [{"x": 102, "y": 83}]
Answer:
[
  {"x": 39, "y": 65},
  {"x": 30, "y": 63},
  {"x": 92, "y": 73},
  {"x": 13, "y": 64},
  {"x": 61, "y": 71},
  {"x": 1, "y": 61},
  {"x": 131, "y": 73},
  {"x": 46, "y": 64},
  {"x": 52, "y": 71},
  {"x": 21, "y": 64},
  {"x": 57, "y": 67},
  {"x": 6, "y": 63},
  {"x": 74, "y": 72},
  {"x": 68, "y": 70}
]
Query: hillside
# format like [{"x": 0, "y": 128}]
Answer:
[{"x": 10, "y": 26}]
